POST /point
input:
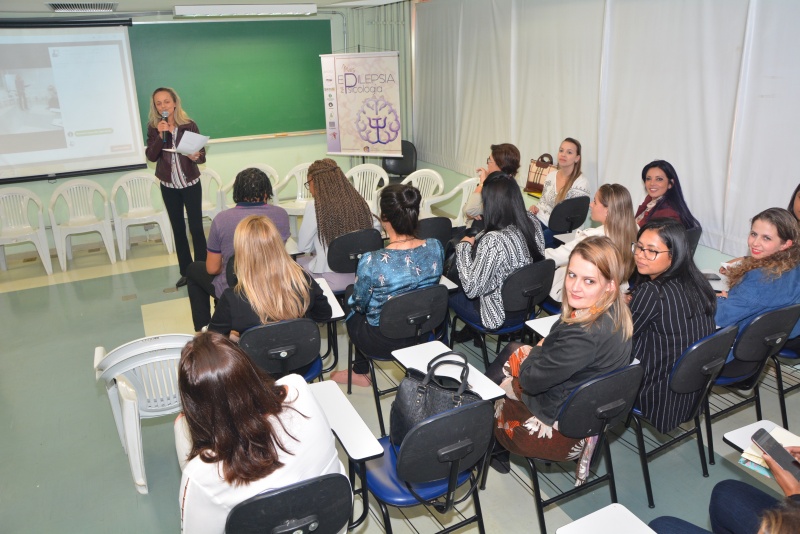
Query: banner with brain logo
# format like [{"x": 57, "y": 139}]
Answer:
[{"x": 362, "y": 104}]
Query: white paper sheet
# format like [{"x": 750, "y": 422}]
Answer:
[{"x": 191, "y": 143}]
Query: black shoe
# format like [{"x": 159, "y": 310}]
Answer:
[
  {"x": 181, "y": 282},
  {"x": 501, "y": 462},
  {"x": 463, "y": 335}
]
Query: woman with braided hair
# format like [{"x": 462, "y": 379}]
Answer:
[{"x": 336, "y": 209}]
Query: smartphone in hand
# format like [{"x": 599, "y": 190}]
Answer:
[{"x": 769, "y": 445}]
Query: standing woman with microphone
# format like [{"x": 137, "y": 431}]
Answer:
[{"x": 179, "y": 175}]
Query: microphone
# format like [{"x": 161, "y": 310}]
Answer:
[{"x": 164, "y": 115}]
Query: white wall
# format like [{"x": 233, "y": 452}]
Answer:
[{"x": 711, "y": 86}]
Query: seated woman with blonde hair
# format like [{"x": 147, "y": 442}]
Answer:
[
  {"x": 242, "y": 433},
  {"x": 613, "y": 209},
  {"x": 591, "y": 338},
  {"x": 271, "y": 287}
]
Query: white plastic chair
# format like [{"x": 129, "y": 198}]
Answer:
[
  {"x": 427, "y": 181},
  {"x": 211, "y": 204},
  {"x": 368, "y": 179},
  {"x": 296, "y": 206},
  {"x": 141, "y": 379},
  {"x": 79, "y": 196},
  {"x": 465, "y": 188},
  {"x": 137, "y": 187},
  {"x": 15, "y": 225},
  {"x": 274, "y": 179}
]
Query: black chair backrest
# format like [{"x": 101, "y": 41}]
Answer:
[
  {"x": 568, "y": 215},
  {"x": 414, "y": 313},
  {"x": 700, "y": 364},
  {"x": 761, "y": 338},
  {"x": 693, "y": 238},
  {"x": 345, "y": 251},
  {"x": 280, "y": 348},
  {"x": 402, "y": 166},
  {"x": 320, "y": 505},
  {"x": 456, "y": 438},
  {"x": 230, "y": 272},
  {"x": 440, "y": 228},
  {"x": 600, "y": 403},
  {"x": 528, "y": 286}
]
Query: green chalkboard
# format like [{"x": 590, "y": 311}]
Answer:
[{"x": 236, "y": 78}]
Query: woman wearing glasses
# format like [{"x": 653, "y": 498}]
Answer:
[
  {"x": 767, "y": 279},
  {"x": 335, "y": 210},
  {"x": 672, "y": 307}
]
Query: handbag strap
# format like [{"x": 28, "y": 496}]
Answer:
[
  {"x": 445, "y": 359},
  {"x": 544, "y": 161}
]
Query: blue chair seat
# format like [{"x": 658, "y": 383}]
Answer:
[
  {"x": 383, "y": 483},
  {"x": 314, "y": 371}
]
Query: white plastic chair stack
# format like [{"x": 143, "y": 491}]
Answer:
[
  {"x": 465, "y": 188},
  {"x": 274, "y": 179},
  {"x": 79, "y": 196},
  {"x": 296, "y": 206},
  {"x": 212, "y": 185},
  {"x": 366, "y": 179},
  {"x": 15, "y": 225},
  {"x": 427, "y": 181},
  {"x": 141, "y": 379},
  {"x": 137, "y": 187}
]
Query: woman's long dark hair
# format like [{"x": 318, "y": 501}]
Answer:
[
  {"x": 673, "y": 234},
  {"x": 790, "y": 209},
  {"x": 227, "y": 402},
  {"x": 674, "y": 194},
  {"x": 503, "y": 206}
]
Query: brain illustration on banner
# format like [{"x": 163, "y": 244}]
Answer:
[
  {"x": 362, "y": 104},
  {"x": 377, "y": 121}
]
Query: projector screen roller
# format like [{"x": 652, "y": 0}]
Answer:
[{"x": 67, "y": 103}]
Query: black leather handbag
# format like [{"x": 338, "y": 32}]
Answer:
[{"x": 421, "y": 396}]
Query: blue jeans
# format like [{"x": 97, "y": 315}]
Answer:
[{"x": 736, "y": 508}]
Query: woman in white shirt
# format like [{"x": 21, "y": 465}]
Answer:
[
  {"x": 242, "y": 433},
  {"x": 336, "y": 209},
  {"x": 612, "y": 207},
  {"x": 563, "y": 183}
]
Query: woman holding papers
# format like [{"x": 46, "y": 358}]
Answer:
[{"x": 179, "y": 175}]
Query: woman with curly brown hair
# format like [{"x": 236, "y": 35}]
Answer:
[
  {"x": 767, "y": 279},
  {"x": 242, "y": 432},
  {"x": 336, "y": 209}
]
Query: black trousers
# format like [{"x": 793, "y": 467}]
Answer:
[
  {"x": 368, "y": 339},
  {"x": 191, "y": 198},
  {"x": 200, "y": 291}
]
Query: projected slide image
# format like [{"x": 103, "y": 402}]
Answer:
[{"x": 29, "y": 105}]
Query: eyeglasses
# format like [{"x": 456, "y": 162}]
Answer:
[
  {"x": 489, "y": 161},
  {"x": 649, "y": 255},
  {"x": 308, "y": 185}
]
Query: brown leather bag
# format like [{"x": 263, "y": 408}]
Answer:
[{"x": 537, "y": 173}]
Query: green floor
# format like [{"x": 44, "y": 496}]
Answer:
[{"x": 64, "y": 469}]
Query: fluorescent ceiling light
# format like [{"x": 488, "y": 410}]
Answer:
[{"x": 246, "y": 10}]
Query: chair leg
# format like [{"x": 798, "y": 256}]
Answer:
[
  {"x": 478, "y": 512},
  {"x": 699, "y": 433},
  {"x": 643, "y": 460},
  {"x": 537, "y": 495},
  {"x": 781, "y": 394},
  {"x": 453, "y": 332},
  {"x": 709, "y": 434},
  {"x": 387, "y": 522},
  {"x": 377, "y": 396},
  {"x": 484, "y": 351},
  {"x": 612, "y": 482},
  {"x": 349, "y": 367},
  {"x": 757, "y": 395}
]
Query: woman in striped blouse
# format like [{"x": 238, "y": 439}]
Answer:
[
  {"x": 512, "y": 239},
  {"x": 673, "y": 306}
]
